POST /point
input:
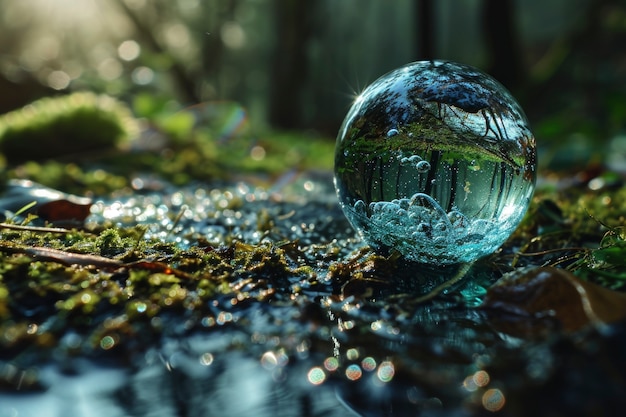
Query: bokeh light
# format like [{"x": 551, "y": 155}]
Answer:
[
  {"x": 269, "y": 360},
  {"x": 331, "y": 363},
  {"x": 110, "y": 69},
  {"x": 353, "y": 372},
  {"x": 129, "y": 50},
  {"x": 368, "y": 364},
  {"x": 142, "y": 75},
  {"x": 257, "y": 153},
  {"x": 493, "y": 400},
  {"x": 107, "y": 342},
  {"x": 206, "y": 359},
  {"x": 316, "y": 375},
  {"x": 58, "y": 80},
  {"x": 352, "y": 354},
  {"x": 386, "y": 371},
  {"x": 478, "y": 379},
  {"x": 233, "y": 35},
  {"x": 177, "y": 35},
  {"x": 376, "y": 325},
  {"x": 481, "y": 378},
  {"x": 469, "y": 384},
  {"x": 224, "y": 317}
]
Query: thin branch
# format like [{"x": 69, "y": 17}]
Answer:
[
  {"x": 35, "y": 229},
  {"x": 70, "y": 258}
]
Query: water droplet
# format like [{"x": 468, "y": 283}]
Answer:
[{"x": 456, "y": 183}]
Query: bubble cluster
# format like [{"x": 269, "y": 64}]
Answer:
[{"x": 436, "y": 161}]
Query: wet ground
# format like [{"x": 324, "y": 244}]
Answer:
[{"x": 316, "y": 325}]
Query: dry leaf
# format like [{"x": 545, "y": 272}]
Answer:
[
  {"x": 63, "y": 210},
  {"x": 551, "y": 294}
]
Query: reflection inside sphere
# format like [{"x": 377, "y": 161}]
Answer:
[{"x": 435, "y": 160}]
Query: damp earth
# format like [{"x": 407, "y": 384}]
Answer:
[{"x": 250, "y": 299}]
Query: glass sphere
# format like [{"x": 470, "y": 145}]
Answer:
[{"x": 435, "y": 160}]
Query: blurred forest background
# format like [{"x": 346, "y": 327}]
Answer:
[{"x": 297, "y": 65}]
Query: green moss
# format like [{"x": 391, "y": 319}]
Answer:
[
  {"x": 577, "y": 228},
  {"x": 61, "y": 126},
  {"x": 84, "y": 298},
  {"x": 45, "y": 141},
  {"x": 110, "y": 243},
  {"x": 424, "y": 137}
]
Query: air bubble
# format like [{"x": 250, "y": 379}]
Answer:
[{"x": 392, "y": 132}]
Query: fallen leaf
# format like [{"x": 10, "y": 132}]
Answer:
[
  {"x": 63, "y": 210},
  {"x": 50, "y": 204},
  {"x": 526, "y": 301}
]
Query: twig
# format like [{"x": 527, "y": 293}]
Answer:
[
  {"x": 66, "y": 258},
  {"x": 34, "y": 228},
  {"x": 69, "y": 258},
  {"x": 447, "y": 284}
]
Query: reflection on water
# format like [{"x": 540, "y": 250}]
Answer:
[
  {"x": 358, "y": 360},
  {"x": 271, "y": 368},
  {"x": 88, "y": 393},
  {"x": 235, "y": 386}
]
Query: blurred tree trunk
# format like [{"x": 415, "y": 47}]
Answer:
[
  {"x": 425, "y": 28},
  {"x": 186, "y": 86},
  {"x": 213, "y": 16},
  {"x": 503, "y": 43},
  {"x": 17, "y": 94},
  {"x": 293, "y": 22}
]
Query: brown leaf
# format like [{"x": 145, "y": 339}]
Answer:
[
  {"x": 518, "y": 303},
  {"x": 51, "y": 205},
  {"x": 63, "y": 210}
]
